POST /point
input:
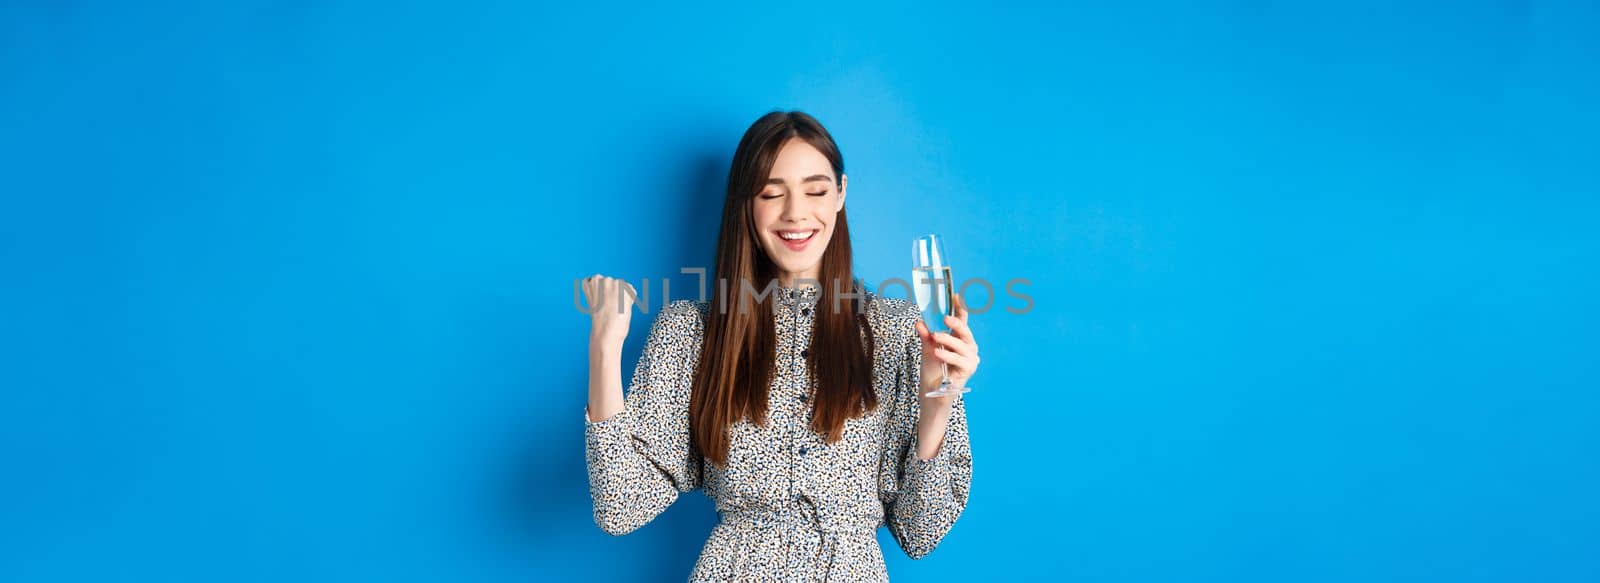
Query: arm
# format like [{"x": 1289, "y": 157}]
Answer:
[
  {"x": 638, "y": 447},
  {"x": 611, "y": 302},
  {"x": 928, "y": 458},
  {"x": 959, "y": 351},
  {"x": 605, "y": 381},
  {"x": 932, "y": 423}
]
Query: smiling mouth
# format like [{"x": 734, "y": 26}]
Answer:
[{"x": 797, "y": 240}]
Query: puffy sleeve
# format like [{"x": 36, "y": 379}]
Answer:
[
  {"x": 641, "y": 458},
  {"x": 922, "y": 498}
]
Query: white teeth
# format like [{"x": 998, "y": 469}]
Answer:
[{"x": 795, "y": 236}]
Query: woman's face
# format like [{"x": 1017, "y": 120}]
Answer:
[{"x": 794, "y": 211}]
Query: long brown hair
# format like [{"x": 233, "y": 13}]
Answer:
[{"x": 736, "y": 361}]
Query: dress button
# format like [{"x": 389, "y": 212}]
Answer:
[
  {"x": 802, "y": 451},
  {"x": 805, "y": 311},
  {"x": 805, "y": 354},
  {"x": 802, "y": 398}
]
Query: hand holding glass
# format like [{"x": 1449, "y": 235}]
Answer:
[{"x": 931, "y": 283}]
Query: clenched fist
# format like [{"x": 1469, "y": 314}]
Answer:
[{"x": 611, "y": 308}]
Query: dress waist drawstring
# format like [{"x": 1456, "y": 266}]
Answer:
[{"x": 804, "y": 515}]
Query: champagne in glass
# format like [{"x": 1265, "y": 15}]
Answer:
[
  {"x": 932, "y": 288},
  {"x": 931, "y": 283}
]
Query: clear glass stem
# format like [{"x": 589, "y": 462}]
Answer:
[{"x": 945, "y": 389}]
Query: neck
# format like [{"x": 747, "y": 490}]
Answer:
[{"x": 809, "y": 278}]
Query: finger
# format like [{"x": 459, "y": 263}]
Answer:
[
  {"x": 958, "y": 361},
  {"x": 922, "y": 331},
  {"x": 958, "y": 327},
  {"x": 954, "y": 343}
]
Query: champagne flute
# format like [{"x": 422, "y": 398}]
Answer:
[{"x": 931, "y": 283}]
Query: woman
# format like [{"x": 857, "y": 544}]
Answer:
[{"x": 795, "y": 399}]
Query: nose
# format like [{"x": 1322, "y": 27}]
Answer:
[{"x": 794, "y": 207}]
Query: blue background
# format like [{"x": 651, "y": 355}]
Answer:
[{"x": 287, "y": 285}]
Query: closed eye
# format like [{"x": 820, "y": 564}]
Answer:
[{"x": 780, "y": 195}]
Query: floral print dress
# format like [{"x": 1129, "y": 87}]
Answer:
[{"x": 792, "y": 507}]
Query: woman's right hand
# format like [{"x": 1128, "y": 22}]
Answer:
[{"x": 611, "y": 304}]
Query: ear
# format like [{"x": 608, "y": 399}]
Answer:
[{"x": 844, "y": 181}]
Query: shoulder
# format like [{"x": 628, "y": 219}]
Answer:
[
  {"x": 677, "y": 333},
  {"x": 681, "y": 318},
  {"x": 891, "y": 318}
]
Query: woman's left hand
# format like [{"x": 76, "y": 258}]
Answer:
[{"x": 957, "y": 348}]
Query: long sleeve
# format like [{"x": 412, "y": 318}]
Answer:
[
  {"x": 922, "y": 498},
  {"x": 641, "y": 458}
]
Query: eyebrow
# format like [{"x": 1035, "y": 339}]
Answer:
[{"x": 811, "y": 178}]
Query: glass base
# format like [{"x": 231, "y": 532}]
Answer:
[{"x": 947, "y": 390}]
